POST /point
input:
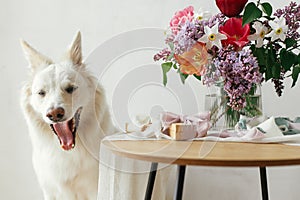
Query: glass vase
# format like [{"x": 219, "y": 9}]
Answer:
[{"x": 223, "y": 117}]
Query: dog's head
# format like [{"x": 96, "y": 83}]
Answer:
[{"x": 59, "y": 91}]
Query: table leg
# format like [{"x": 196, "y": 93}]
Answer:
[
  {"x": 179, "y": 182},
  {"x": 151, "y": 180},
  {"x": 264, "y": 183}
]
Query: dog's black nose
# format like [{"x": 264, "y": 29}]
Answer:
[{"x": 56, "y": 114}]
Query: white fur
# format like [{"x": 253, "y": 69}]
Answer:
[{"x": 73, "y": 174}]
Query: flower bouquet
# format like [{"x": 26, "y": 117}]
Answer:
[{"x": 235, "y": 52}]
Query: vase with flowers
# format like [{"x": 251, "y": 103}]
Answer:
[{"x": 234, "y": 52}]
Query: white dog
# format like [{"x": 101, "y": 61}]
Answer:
[{"x": 67, "y": 115}]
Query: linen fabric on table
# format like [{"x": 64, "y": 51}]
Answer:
[
  {"x": 122, "y": 178},
  {"x": 271, "y": 130}
]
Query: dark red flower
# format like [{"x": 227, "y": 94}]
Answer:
[
  {"x": 237, "y": 35},
  {"x": 231, "y": 8}
]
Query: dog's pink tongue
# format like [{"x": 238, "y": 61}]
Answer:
[{"x": 65, "y": 135}]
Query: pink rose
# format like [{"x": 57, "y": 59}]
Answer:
[{"x": 180, "y": 18}]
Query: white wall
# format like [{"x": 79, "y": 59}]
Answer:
[{"x": 49, "y": 26}]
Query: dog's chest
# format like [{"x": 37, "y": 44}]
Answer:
[{"x": 58, "y": 165}]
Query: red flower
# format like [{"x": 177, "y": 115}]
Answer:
[
  {"x": 237, "y": 35},
  {"x": 231, "y": 8}
]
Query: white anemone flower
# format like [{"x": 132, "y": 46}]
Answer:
[
  {"x": 259, "y": 35},
  {"x": 279, "y": 29},
  {"x": 212, "y": 37}
]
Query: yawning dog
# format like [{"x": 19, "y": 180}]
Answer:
[{"x": 67, "y": 116}]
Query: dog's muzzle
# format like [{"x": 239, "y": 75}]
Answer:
[{"x": 66, "y": 131}]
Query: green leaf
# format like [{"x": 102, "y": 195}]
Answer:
[
  {"x": 268, "y": 73},
  {"x": 287, "y": 59},
  {"x": 272, "y": 54},
  {"x": 251, "y": 13},
  {"x": 175, "y": 66},
  {"x": 295, "y": 74},
  {"x": 270, "y": 62},
  {"x": 197, "y": 77},
  {"x": 267, "y": 8},
  {"x": 276, "y": 70},
  {"x": 289, "y": 42},
  {"x": 166, "y": 68},
  {"x": 260, "y": 54},
  {"x": 183, "y": 77}
]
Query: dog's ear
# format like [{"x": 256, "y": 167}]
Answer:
[
  {"x": 75, "y": 52},
  {"x": 35, "y": 59}
]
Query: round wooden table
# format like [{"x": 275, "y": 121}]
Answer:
[{"x": 205, "y": 153}]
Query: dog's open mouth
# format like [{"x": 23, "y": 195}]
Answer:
[{"x": 66, "y": 131}]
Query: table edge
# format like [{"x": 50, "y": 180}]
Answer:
[{"x": 203, "y": 162}]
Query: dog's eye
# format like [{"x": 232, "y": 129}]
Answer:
[
  {"x": 42, "y": 93},
  {"x": 71, "y": 89}
]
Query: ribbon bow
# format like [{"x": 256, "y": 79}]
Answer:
[{"x": 200, "y": 120}]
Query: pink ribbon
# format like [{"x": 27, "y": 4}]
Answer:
[{"x": 200, "y": 120}]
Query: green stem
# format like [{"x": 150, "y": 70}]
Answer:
[
  {"x": 258, "y": 3},
  {"x": 292, "y": 48},
  {"x": 215, "y": 110}
]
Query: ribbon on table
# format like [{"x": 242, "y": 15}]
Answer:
[{"x": 200, "y": 120}]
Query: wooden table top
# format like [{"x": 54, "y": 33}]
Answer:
[{"x": 206, "y": 153}]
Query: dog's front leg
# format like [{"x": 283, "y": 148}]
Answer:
[
  {"x": 63, "y": 193},
  {"x": 48, "y": 196}
]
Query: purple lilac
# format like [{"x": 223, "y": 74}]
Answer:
[
  {"x": 190, "y": 32},
  {"x": 278, "y": 84},
  {"x": 169, "y": 39},
  {"x": 291, "y": 13},
  {"x": 240, "y": 71},
  {"x": 218, "y": 18},
  {"x": 212, "y": 75},
  {"x": 184, "y": 40},
  {"x": 163, "y": 54}
]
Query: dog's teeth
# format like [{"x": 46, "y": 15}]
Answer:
[
  {"x": 73, "y": 145},
  {"x": 73, "y": 125}
]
